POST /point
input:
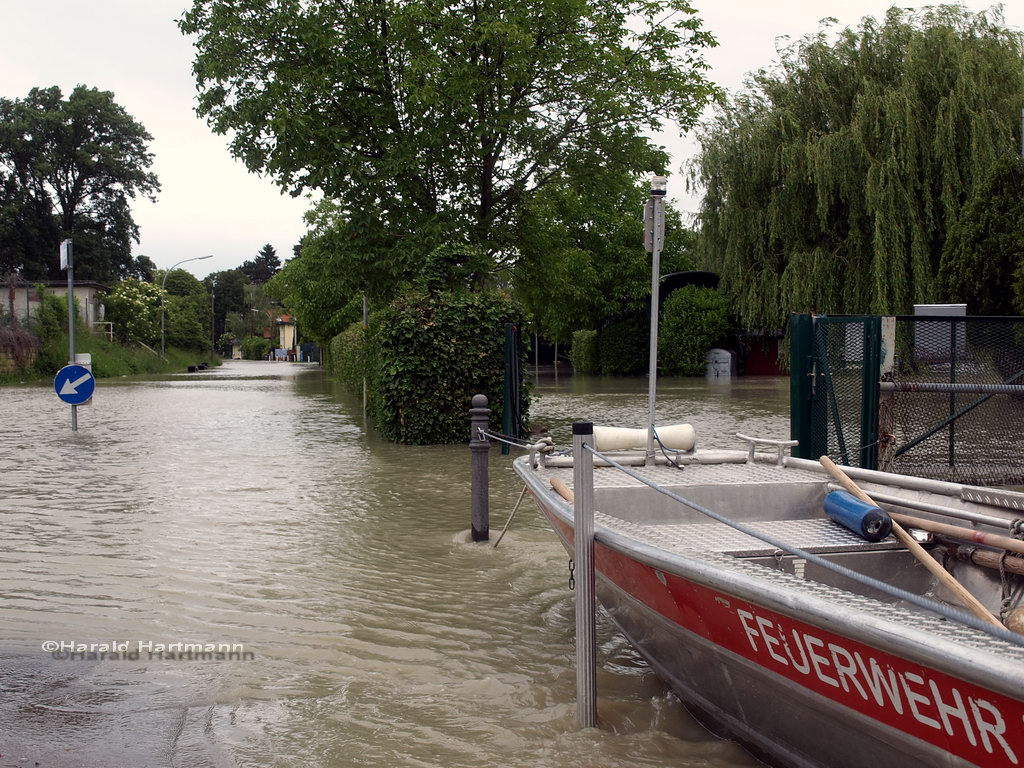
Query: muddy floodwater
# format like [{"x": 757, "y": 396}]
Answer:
[{"x": 248, "y": 510}]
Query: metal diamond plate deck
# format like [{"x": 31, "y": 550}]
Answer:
[
  {"x": 692, "y": 474},
  {"x": 816, "y": 536}
]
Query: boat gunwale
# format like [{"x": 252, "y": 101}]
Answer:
[{"x": 777, "y": 591}]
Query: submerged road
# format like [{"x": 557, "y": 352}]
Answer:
[{"x": 249, "y": 507}]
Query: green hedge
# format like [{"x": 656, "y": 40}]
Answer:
[
  {"x": 693, "y": 320},
  {"x": 255, "y": 348},
  {"x": 428, "y": 354},
  {"x": 584, "y": 353},
  {"x": 623, "y": 346},
  {"x": 348, "y": 358}
]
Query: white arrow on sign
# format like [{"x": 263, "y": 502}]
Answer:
[{"x": 71, "y": 387}]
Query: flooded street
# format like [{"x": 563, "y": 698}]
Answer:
[{"x": 248, "y": 506}]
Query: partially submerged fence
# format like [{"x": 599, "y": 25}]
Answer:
[{"x": 932, "y": 396}]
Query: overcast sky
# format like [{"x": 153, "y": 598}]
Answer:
[{"x": 209, "y": 203}]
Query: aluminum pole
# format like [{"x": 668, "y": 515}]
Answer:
[
  {"x": 657, "y": 241},
  {"x": 69, "y": 253},
  {"x": 583, "y": 522}
]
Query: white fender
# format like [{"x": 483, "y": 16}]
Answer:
[{"x": 678, "y": 437}]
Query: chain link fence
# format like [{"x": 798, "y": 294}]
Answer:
[
  {"x": 938, "y": 397},
  {"x": 956, "y": 408}
]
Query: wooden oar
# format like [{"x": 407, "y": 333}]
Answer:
[
  {"x": 563, "y": 490},
  {"x": 969, "y": 601},
  {"x": 959, "y": 532}
]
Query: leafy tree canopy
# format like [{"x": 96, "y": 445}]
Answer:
[
  {"x": 582, "y": 255},
  {"x": 986, "y": 245},
  {"x": 181, "y": 282},
  {"x": 437, "y": 121},
  {"x": 833, "y": 182},
  {"x": 68, "y": 168},
  {"x": 228, "y": 290},
  {"x": 143, "y": 269},
  {"x": 320, "y": 286}
]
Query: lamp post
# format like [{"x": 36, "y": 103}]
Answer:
[
  {"x": 213, "y": 324},
  {"x": 163, "y": 283}
]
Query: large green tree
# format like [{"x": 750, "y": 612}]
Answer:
[
  {"x": 582, "y": 261},
  {"x": 321, "y": 285},
  {"x": 264, "y": 266},
  {"x": 187, "y": 310},
  {"x": 227, "y": 288},
  {"x": 986, "y": 245},
  {"x": 834, "y": 180},
  {"x": 436, "y": 120},
  {"x": 69, "y": 168}
]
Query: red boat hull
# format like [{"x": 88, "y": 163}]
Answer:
[{"x": 798, "y": 693}]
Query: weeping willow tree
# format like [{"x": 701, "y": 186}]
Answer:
[{"x": 832, "y": 181}]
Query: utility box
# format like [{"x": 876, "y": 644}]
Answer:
[
  {"x": 719, "y": 363},
  {"x": 939, "y": 341},
  {"x": 84, "y": 359}
]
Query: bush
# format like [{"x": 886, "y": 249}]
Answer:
[
  {"x": 348, "y": 356},
  {"x": 583, "y": 355},
  {"x": 188, "y": 322},
  {"x": 429, "y": 354},
  {"x": 133, "y": 307},
  {"x": 255, "y": 348},
  {"x": 693, "y": 321},
  {"x": 18, "y": 348},
  {"x": 51, "y": 318},
  {"x": 623, "y": 346}
]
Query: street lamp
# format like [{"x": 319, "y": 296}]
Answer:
[{"x": 163, "y": 283}]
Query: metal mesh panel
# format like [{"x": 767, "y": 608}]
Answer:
[
  {"x": 961, "y": 436},
  {"x": 840, "y": 354}
]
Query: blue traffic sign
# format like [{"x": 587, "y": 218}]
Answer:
[{"x": 74, "y": 384}]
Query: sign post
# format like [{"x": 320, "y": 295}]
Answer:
[
  {"x": 654, "y": 241},
  {"x": 67, "y": 262},
  {"x": 74, "y": 384}
]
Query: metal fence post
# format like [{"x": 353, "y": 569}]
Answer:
[
  {"x": 886, "y": 401},
  {"x": 870, "y": 372},
  {"x": 583, "y": 522},
  {"x": 801, "y": 384},
  {"x": 479, "y": 448}
]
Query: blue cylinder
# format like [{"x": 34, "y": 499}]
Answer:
[{"x": 866, "y": 520}]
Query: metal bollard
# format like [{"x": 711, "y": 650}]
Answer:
[
  {"x": 583, "y": 523},
  {"x": 479, "y": 448}
]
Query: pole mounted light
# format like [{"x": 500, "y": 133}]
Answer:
[
  {"x": 163, "y": 283},
  {"x": 654, "y": 241}
]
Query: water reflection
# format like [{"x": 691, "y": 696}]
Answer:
[{"x": 248, "y": 505}]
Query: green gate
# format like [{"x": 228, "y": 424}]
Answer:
[{"x": 931, "y": 396}]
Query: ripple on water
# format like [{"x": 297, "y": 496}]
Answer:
[{"x": 249, "y": 506}]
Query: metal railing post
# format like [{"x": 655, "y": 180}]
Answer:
[
  {"x": 583, "y": 522},
  {"x": 479, "y": 448},
  {"x": 801, "y": 384}
]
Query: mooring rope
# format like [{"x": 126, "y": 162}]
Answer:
[
  {"x": 515, "y": 442},
  {"x": 948, "y": 612}
]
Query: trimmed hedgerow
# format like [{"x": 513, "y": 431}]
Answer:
[
  {"x": 255, "y": 348},
  {"x": 583, "y": 356},
  {"x": 348, "y": 358},
  {"x": 623, "y": 346},
  {"x": 427, "y": 354},
  {"x": 693, "y": 320}
]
